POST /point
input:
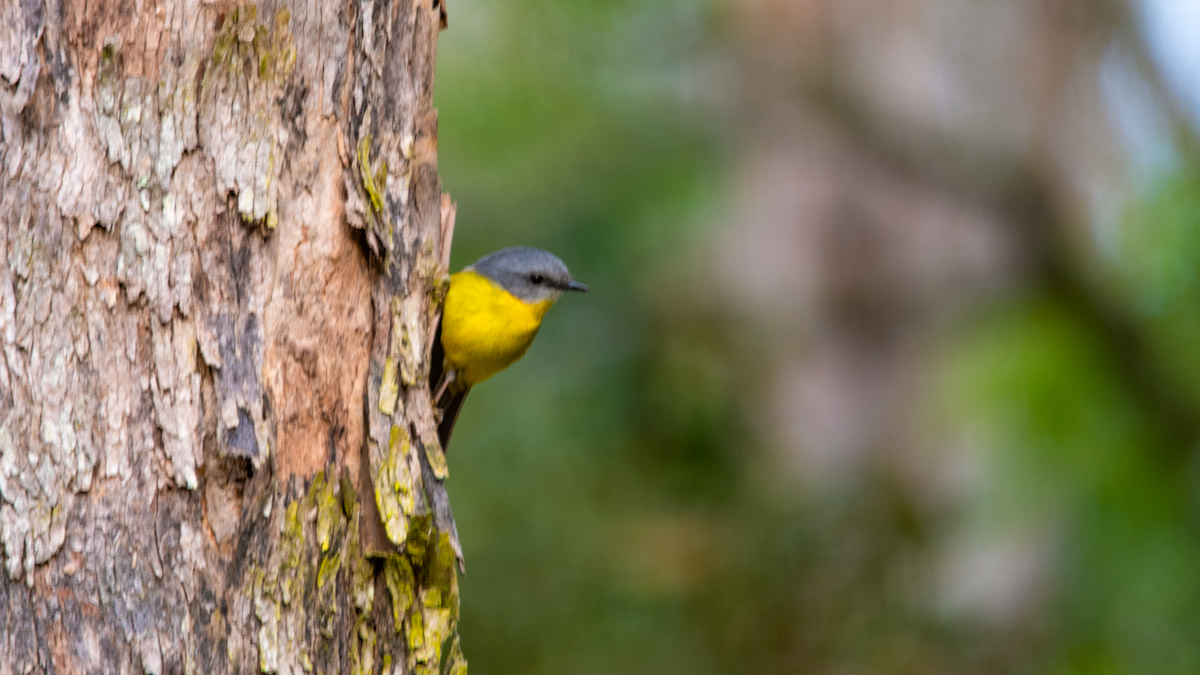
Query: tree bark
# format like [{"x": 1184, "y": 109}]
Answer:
[{"x": 224, "y": 248}]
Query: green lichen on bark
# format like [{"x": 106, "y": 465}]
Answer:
[
  {"x": 319, "y": 552},
  {"x": 333, "y": 526},
  {"x": 407, "y": 348},
  {"x": 389, "y": 389},
  {"x": 277, "y": 586},
  {"x": 436, "y": 457},
  {"x": 248, "y": 70},
  {"x": 422, "y": 585},
  {"x": 329, "y": 509},
  {"x": 244, "y": 46},
  {"x": 395, "y": 492},
  {"x": 374, "y": 180},
  {"x": 409, "y": 351},
  {"x": 398, "y": 575},
  {"x": 456, "y": 663},
  {"x": 362, "y": 649},
  {"x": 433, "y": 617}
]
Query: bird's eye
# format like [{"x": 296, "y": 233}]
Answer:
[{"x": 536, "y": 278}]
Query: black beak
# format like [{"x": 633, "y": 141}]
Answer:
[{"x": 576, "y": 286}]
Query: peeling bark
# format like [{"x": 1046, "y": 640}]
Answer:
[{"x": 224, "y": 245}]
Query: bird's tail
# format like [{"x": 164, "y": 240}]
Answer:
[{"x": 450, "y": 404}]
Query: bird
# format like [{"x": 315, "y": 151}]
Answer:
[{"x": 492, "y": 312}]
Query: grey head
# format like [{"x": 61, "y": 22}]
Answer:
[{"x": 531, "y": 274}]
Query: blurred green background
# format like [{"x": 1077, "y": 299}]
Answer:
[{"x": 891, "y": 362}]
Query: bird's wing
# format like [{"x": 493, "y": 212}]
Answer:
[{"x": 450, "y": 401}]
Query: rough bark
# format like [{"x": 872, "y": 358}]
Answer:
[{"x": 224, "y": 242}]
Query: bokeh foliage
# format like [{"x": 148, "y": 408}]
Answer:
[{"x": 618, "y": 508}]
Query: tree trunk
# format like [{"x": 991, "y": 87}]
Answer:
[{"x": 224, "y": 245}]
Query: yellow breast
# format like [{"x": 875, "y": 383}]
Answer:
[{"x": 485, "y": 328}]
